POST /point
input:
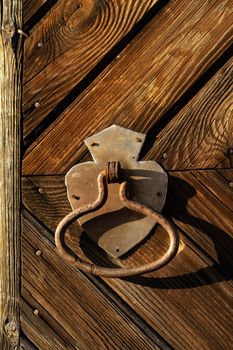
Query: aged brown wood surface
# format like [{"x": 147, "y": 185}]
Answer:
[
  {"x": 192, "y": 276},
  {"x": 37, "y": 329},
  {"x": 83, "y": 321},
  {"x": 30, "y": 8},
  {"x": 200, "y": 32},
  {"x": 25, "y": 344},
  {"x": 170, "y": 76},
  {"x": 78, "y": 34},
  {"x": 206, "y": 126},
  {"x": 10, "y": 107}
]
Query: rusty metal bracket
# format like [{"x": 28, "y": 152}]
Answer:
[{"x": 112, "y": 220}]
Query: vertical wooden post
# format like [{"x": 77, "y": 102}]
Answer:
[{"x": 10, "y": 113}]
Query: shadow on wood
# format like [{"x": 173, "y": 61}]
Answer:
[{"x": 179, "y": 193}]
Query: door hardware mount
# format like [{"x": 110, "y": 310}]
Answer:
[{"x": 131, "y": 195}]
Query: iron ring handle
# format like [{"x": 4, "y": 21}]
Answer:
[{"x": 132, "y": 205}]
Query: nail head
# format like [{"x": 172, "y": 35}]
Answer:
[
  {"x": 36, "y": 312},
  {"x": 37, "y": 104}
]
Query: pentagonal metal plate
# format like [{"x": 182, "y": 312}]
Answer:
[{"x": 113, "y": 227}]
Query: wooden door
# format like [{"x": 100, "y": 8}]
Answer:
[{"x": 159, "y": 67}]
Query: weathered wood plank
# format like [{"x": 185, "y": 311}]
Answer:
[
  {"x": 50, "y": 193},
  {"x": 42, "y": 335},
  {"x": 227, "y": 175},
  {"x": 30, "y": 7},
  {"x": 200, "y": 136},
  {"x": 25, "y": 344},
  {"x": 66, "y": 44},
  {"x": 71, "y": 299},
  {"x": 10, "y": 109},
  {"x": 37, "y": 312},
  {"x": 173, "y": 300},
  {"x": 138, "y": 88},
  {"x": 205, "y": 211}
]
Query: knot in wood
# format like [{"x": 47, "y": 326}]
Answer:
[
  {"x": 113, "y": 171},
  {"x": 12, "y": 333}
]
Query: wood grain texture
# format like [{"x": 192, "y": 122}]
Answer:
[
  {"x": 10, "y": 109},
  {"x": 74, "y": 36},
  {"x": 228, "y": 175},
  {"x": 201, "y": 134},
  {"x": 39, "y": 331},
  {"x": 138, "y": 88},
  {"x": 71, "y": 299},
  {"x": 25, "y": 344},
  {"x": 30, "y": 7},
  {"x": 36, "y": 313},
  {"x": 173, "y": 300}
]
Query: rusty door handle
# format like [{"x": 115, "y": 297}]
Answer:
[{"x": 103, "y": 179}]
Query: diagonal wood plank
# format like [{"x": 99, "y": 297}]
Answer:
[
  {"x": 201, "y": 134},
  {"x": 205, "y": 212},
  {"x": 40, "y": 332},
  {"x": 52, "y": 284},
  {"x": 66, "y": 44},
  {"x": 30, "y": 7},
  {"x": 34, "y": 313},
  {"x": 173, "y": 300},
  {"x": 138, "y": 88},
  {"x": 25, "y": 344},
  {"x": 227, "y": 174}
]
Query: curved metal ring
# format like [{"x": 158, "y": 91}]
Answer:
[{"x": 135, "y": 206}]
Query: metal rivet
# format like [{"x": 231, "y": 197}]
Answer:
[
  {"x": 39, "y": 44},
  {"x": 159, "y": 194},
  {"x": 139, "y": 139},
  {"x": 117, "y": 249},
  {"x": 95, "y": 144},
  {"x": 37, "y": 104},
  {"x": 38, "y": 252},
  {"x": 36, "y": 312},
  {"x": 231, "y": 184},
  {"x": 164, "y": 155},
  {"x": 40, "y": 190}
]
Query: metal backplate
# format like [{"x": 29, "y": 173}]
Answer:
[{"x": 113, "y": 227}]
